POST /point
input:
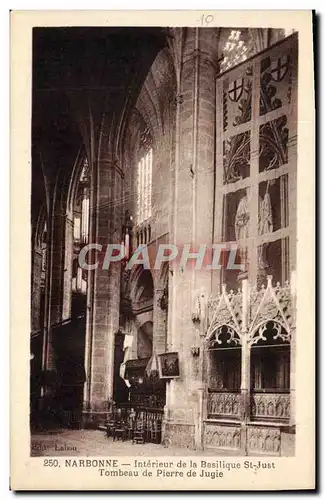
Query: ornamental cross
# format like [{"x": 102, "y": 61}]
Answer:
[
  {"x": 236, "y": 89},
  {"x": 279, "y": 68}
]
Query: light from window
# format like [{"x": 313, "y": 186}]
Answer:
[
  {"x": 76, "y": 229},
  {"x": 81, "y": 228},
  {"x": 144, "y": 187},
  {"x": 85, "y": 217},
  {"x": 81, "y": 215},
  {"x": 235, "y": 51}
]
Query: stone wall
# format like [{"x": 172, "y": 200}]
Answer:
[{"x": 192, "y": 219}]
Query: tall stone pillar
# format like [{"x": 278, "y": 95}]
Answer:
[
  {"x": 104, "y": 292},
  {"x": 56, "y": 270},
  {"x": 160, "y": 314},
  {"x": 192, "y": 225},
  {"x": 54, "y": 279},
  {"x": 36, "y": 289}
]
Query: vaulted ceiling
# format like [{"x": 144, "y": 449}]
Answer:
[{"x": 75, "y": 70}]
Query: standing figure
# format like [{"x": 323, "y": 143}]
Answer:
[
  {"x": 265, "y": 225},
  {"x": 242, "y": 230}
]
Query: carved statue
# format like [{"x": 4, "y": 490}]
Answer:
[
  {"x": 242, "y": 229},
  {"x": 265, "y": 224},
  {"x": 242, "y": 219}
]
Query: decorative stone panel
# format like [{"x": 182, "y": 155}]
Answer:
[
  {"x": 179, "y": 435},
  {"x": 224, "y": 404},
  {"x": 275, "y": 406},
  {"x": 263, "y": 440},
  {"x": 222, "y": 436}
]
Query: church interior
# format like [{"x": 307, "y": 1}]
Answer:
[{"x": 154, "y": 136}]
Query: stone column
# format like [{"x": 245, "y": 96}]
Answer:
[
  {"x": 36, "y": 289},
  {"x": 105, "y": 293},
  {"x": 160, "y": 320},
  {"x": 54, "y": 278},
  {"x": 57, "y": 249},
  {"x": 53, "y": 283},
  {"x": 192, "y": 225}
]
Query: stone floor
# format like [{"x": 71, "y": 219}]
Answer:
[{"x": 94, "y": 443}]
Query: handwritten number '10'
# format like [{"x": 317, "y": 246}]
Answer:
[{"x": 206, "y": 19}]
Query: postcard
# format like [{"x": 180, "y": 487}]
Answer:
[{"x": 162, "y": 250}]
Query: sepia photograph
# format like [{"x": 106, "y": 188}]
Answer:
[
  {"x": 113, "y": 111},
  {"x": 163, "y": 244}
]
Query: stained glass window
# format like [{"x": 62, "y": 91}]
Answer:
[
  {"x": 256, "y": 159},
  {"x": 81, "y": 227},
  {"x": 237, "y": 48},
  {"x": 144, "y": 198}
]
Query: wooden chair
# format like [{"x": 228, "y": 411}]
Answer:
[
  {"x": 131, "y": 424},
  {"x": 109, "y": 426},
  {"x": 119, "y": 428},
  {"x": 119, "y": 431},
  {"x": 147, "y": 432},
  {"x": 155, "y": 435},
  {"x": 139, "y": 431}
]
